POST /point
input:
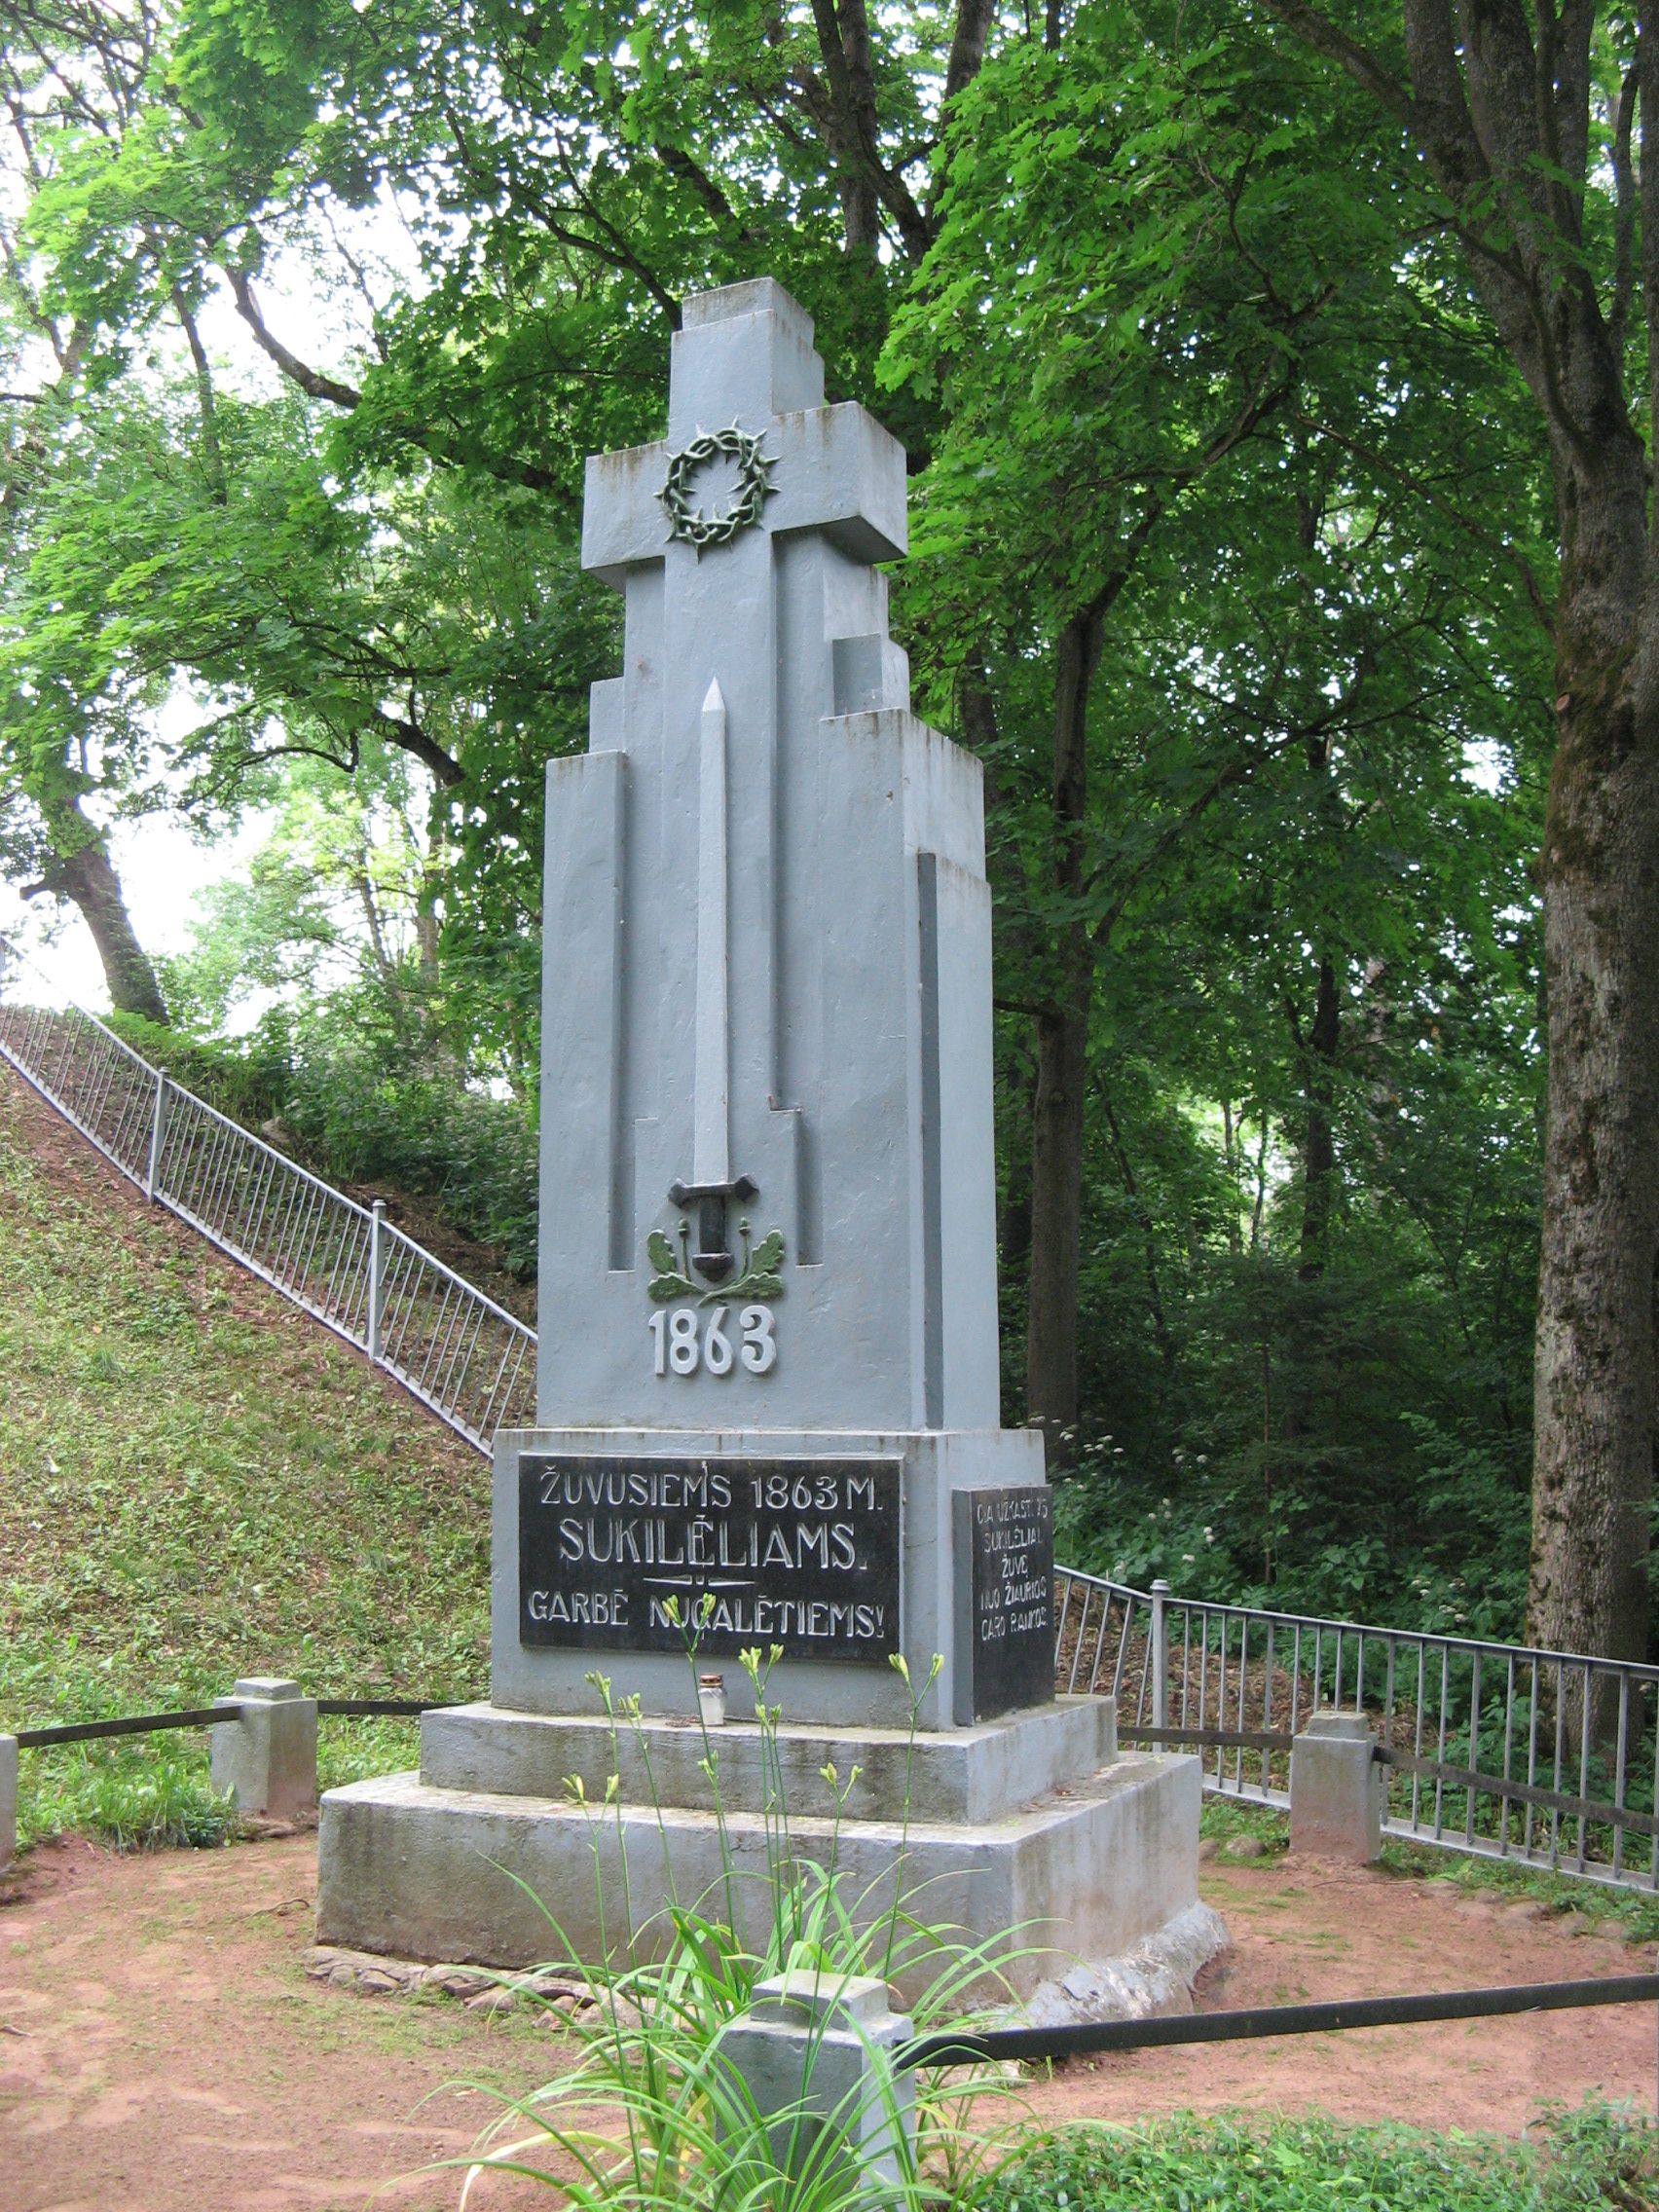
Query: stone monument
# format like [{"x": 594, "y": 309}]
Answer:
[{"x": 767, "y": 1397}]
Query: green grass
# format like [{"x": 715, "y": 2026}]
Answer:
[
  {"x": 198, "y": 1481},
  {"x": 1227, "y": 1818},
  {"x": 1595, "y": 2158}
]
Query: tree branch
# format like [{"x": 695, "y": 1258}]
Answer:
[
  {"x": 206, "y": 406},
  {"x": 312, "y": 382},
  {"x": 1323, "y": 36},
  {"x": 424, "y": 438},
  {"x": 851, "y": 126},
  {"x": 973, "y": 19},
  {"x": 407, "y": 734},
  {"x": 1420, "y": 490}
]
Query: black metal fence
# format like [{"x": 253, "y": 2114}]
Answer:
[
  {"x": 1248, "y": 2024},
  {"x": 212, "y": 1716}
]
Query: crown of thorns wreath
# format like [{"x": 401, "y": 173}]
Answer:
[{"x": 754, "y": 486}]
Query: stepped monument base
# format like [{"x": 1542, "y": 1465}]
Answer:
[
  {"x": 1034, "y": 1825},
  {"x": 1032, "y": 1822}
]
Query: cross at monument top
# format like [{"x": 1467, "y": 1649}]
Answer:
[
  {"x": 766, "y": 1108},
  {"x": 747, "y": 347},
  {"x": 743, "y": 356}
]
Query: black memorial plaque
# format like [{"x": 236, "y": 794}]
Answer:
[
  {"x": 1004, "y": 1611},
  {"x": 798, "y": 1552}
]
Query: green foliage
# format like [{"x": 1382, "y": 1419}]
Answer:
[
  {"x": 654, "y": 2111},
  {"x": 148, "y": 1794},
  {"x": 1597, "y": 2157},
  {"x": 369, "y": 1116},
  {"x": 1171, "y": 336},
  {"x": 1163, "y": 321},
  {"x": 366, "y": 1109},
  {"x": 246, "y": 1080},
  {"x": 1323, "y": 1448},
  {"x": 377, "y": 1059}
]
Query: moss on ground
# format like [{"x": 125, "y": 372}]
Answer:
[{"x": 1227, "y": 1819}]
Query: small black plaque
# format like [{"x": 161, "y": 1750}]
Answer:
[
  {"x": 1005, "y": 1614},
  {"x": 798, "y": 1552}
]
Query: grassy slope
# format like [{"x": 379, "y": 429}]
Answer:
[{"x": 198, "y": 1481}]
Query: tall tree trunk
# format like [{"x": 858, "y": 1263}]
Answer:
[
  {"x": 1594, "y": 1380},
  {"x": 1318, "y": 1148},
  {"x": 850, "y": 119},
  {"x": 85, "y": 876},
  {"x": 1062, "y": 1051},
  {"x": 1593, "y": 1393}
]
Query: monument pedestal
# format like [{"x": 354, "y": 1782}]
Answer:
[
  {"x": 1034, "y": 1825},
  {"x": 1030, "y": 1823},
  {"x": 841, "y": 1546}
]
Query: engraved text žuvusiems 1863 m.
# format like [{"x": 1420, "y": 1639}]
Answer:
[{"x": 621, "y": 1553}]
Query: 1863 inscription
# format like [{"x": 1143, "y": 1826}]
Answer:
[{"x": 798, "y": 1552}]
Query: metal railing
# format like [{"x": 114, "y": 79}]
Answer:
[
  {"x": 459, "y": 1353},
  {"x": 960, "y": 2047},
  {"x": 1493, "y": 1749}
]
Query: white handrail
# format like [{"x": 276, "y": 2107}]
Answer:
[{"x": 460, "y": 1353}]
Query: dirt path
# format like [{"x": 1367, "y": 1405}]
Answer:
[
  {"x": 162, "y": 2050},
  {"x": 1302, "y": 1930}
]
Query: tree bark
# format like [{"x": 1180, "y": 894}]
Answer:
[
  {"x": 1318, "y": 1052},
  {"x": 1062, "y": 1052},
  {"x": 973, "y": 27},
  {"x": 86, "y": 876},
  {"x": 843, "y": 44},
  {"x": 1594, "y": 1385}
]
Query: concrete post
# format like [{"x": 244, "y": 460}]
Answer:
[
  {"x": 1336, "y": 1790},
  {"x": 813, "y": 2049},
  {"x": 8, "y": 1801},
  {"x": 267, "y": 1755}
]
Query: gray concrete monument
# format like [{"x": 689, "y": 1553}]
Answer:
[{"x": 768, "y": 1386}]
